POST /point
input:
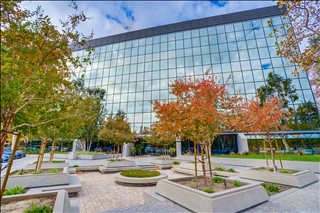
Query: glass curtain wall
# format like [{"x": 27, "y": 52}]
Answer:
[{"x": 135, "y": 72}]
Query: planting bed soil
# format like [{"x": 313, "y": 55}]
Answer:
[
  {"x": 198, "y": 183},
  {"x": 21, "y": 206}
]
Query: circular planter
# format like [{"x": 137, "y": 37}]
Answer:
[{"x": 139, "y": 181}]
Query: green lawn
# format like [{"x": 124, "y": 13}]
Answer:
[{"x": 292, "y": 157}]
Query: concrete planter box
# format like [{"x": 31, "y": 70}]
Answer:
[
  {"x": 62, "y": 201},
  {"x": 163, "y": 163},
  {"x": 117, "y": 164},
  {"x": 57, "y": 156},
  {"x": 231, "y": 200},
  {"x": 139, "y": 181},
  {"x": 299, "y": 179},
  {"x": 48, "y": 165},
  {"x": 39, "y": 180},
  {"x": 225, "y": 174},
  {"x": 93, "y": 157},
  {"x": 188, "y": 165}
]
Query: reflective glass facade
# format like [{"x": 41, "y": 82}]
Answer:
[{"x": 135, "y": 72}]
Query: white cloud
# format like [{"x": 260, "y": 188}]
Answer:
[{"x": 146, "y": 14}]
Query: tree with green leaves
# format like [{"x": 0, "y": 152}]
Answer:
[
  {"x": 35, "y": 65},
  {"x": 96, "y": 111},
  {"x": 278, "y": 87},
  {"x": 116, "y": 130},
  {"x": 161, "y": 137},
  {"x": 306, "y": 117}
]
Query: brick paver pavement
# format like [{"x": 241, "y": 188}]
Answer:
[{"x": 100, "y": 193}]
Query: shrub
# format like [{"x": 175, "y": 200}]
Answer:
[
  {"x": 58, "y": 161},
  {"x": 75, "y": 166},
  {"x": 176, "y": 163},
  {"x": 285, "y": 171},
  {"x": 172, "y": 150},
  {"x": 140, "y": 173},
  {"x": 271, "y": 187},
  {"x": 208, "y": 189},
  {"x": 21, "y": 172},
  {"x": 236, "y": 183},
  {"x": 217, "y": 180},
  {"x": 231, "y": 170},
  {"x": 54, "y": 171},
  {"x": 221, "y": 169},
  {"x": 39, "y": 209},
  {"x": 15, "y": 190},
  {"x": 36, "y": 173}
]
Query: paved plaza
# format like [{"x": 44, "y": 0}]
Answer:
[{"x": 100, "y": 193}]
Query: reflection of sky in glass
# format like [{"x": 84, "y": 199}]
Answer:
[
  {"x": 265, "y": 66},
  {"x": 136, "y": 72}
]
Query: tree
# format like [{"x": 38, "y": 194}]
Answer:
[
  {"x": 35, "y": 62},
  {"x": 277, "y": 87},
  {"x": 95, "y": 110},
  {"x": 302, "y": 30},
  {"x": 306, "y": 117},
  {"x": 199, "y": 114},
  {"x": 255, "y": 118},
  {"x": 160, "y": 136},
  {"x": 117, "y": 130}
]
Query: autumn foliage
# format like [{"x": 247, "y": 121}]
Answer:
[
  {"x": 256, "y": 118},
  {"x": 199, "y": 113}
]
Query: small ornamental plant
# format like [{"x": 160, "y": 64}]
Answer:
[
  {"x": 39, "y": 209},
  {"x": 208, "y": 190},
  {"x": 271, "y": 188},
  {"x": 15, "y": 190}
]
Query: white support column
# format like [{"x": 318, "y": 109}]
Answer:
[
  {"x": 178, "y": 148},
  {"x": 73, "y": 155},
  {"x": 242, "y": 143},
  {"x": 126, "y": 149}
]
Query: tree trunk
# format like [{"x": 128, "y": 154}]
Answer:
[
  {"x": 279, "y": 154},
  {"x": 118, "y": 151},
  {"x": 43, "y": 149},
  {"x": 89, "y": 147},
  {"x": 272, "y": 155},
  {"x": 203, "y": 165},
  {"x": 265, "y": 153},
  {"x": 121, "y": 146},
  {"x": 113, "y": 151},
  {"x": 4, "y": 182},
  {"x": 195, "y": 158},
  {"x": 53, "y": 148},
  {"x": 209, "y": 158}
]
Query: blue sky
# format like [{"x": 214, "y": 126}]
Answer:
[{"x": 113, "y": 17}]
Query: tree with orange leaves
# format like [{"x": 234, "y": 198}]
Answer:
[
  {"x": 199, "y": 114},
  {"x": 266, "y": 118}
]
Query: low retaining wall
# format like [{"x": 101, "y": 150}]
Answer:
[
  {"x": 62, "y": 202},
  {"x": 57, "y": 156},
  {"x": 93, "y": 157},
  {"x": 231, "y": 200},
  {"x": 139, "y": 181},
  {"x": 47, "y": 165},
  {"x": 163, "y": 163},
  {"x": 39, "y": 180},
  {"x": 299, "y": 179}
]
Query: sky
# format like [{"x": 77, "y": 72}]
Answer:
[{"x": 114, "y": 17}]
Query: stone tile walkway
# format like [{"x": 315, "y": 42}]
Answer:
[{"x": 100, "y": 193}]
